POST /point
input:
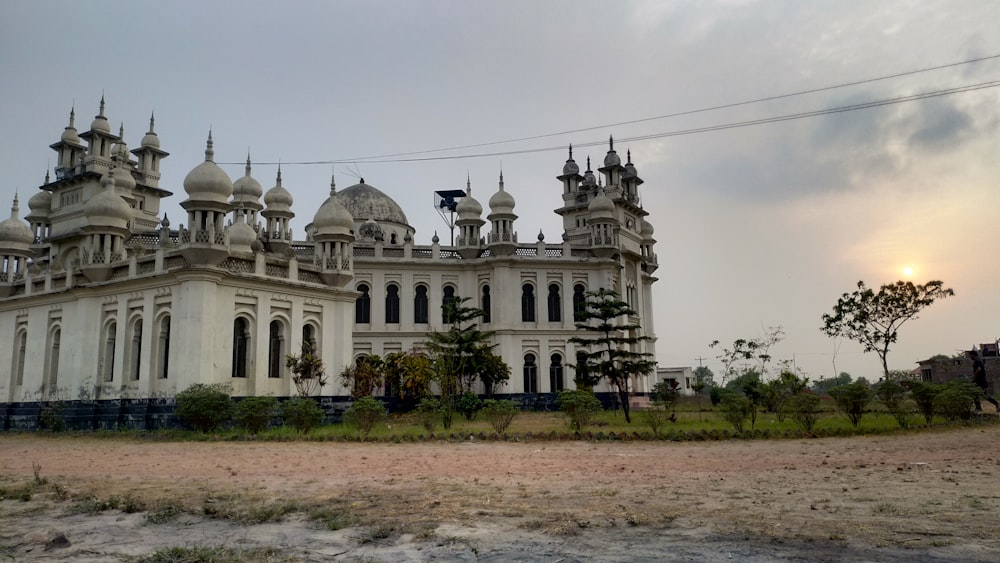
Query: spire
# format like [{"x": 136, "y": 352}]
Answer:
[
  {"x": 15, "y": 208},
  {"x": 101, "y": 114},
  {"x": 278, "y": 180},
  {"x": 46, "y": 175},
  {"x": 629, "y": 153},
  {"x": 611, "y": 143},
  {"x": 152, "y": 119},
  {"x": 121, "y": 129},
  {"x": 571, "y": 151},
  {"x": 72, "y": 117},
  {"x": 501, "y": 179},
  {"x": 248, "y": 162},
  {"x": 209, "y": 148},
  {"x": 333, "y": 183},
  {"x": 588, "y": 164},
  {"x": 468, "y": 183}
]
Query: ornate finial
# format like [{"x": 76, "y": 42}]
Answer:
[
  {"x": 435, "y": 238},
  {"x": 209, "y": 148},
  {"x": 571, "y": 151},
  {"x": 611, "y": 143},
  {"x": 588, "y": 164},
  {"x": 501, "y": 179},
  {"x": 165, "y": 223},
  {"x": 333, "y": 182},
  {"x": 248, "y": 162},
  {"x": 362, "y": 180},
  {"x": 468, "y": 183},
  {"x": 121, "y": 129},
  {"x": 46, "y": 175},
  {"x": 101, "y": 114},
  {"x": 541, "y": 236},
  {"x": 15, "y": 208},
  {"x": 72, "y": 117},
  {"x": 152, "y": 120},
  {"x": 278, "y": 180},
  {"x": 629, "y": 153}
]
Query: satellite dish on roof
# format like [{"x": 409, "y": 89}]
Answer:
[{"x": 445, "y": 202}]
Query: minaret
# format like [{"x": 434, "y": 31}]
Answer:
[
  {"x": 15, "y": 249},
  {"x": 503, "y": 237},
  {"x": 150, "y": 155},
  {"x": 469, "y": 223},
  {"x": 99, "y": 140},
  {"x": 246, "y": 197},
  {"x": 209, "y": 189},
  {"x": 69, "y": 148},
  {"x": 278, "y": 212},
  {"x": 612, "y": 169}
]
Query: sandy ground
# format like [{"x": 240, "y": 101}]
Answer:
[{"x": 930, "y": 496}]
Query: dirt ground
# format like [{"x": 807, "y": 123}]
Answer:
[{"x": 929, "y": 496}]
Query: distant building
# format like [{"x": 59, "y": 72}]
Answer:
[
  {"x": 940, "y": 369},
  {"x": 683, "y": 376},
  {"x": 102, "y": 299}
]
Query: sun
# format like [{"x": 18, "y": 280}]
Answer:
[{"x": 908, "y": 271}]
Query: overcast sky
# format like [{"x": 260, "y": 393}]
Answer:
[{"x": 757, "y": 226}]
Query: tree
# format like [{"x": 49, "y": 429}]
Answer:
[
  {"x": 757, "y": 350},
  {"x": 364, "y": 377},
  {"x": 462, "y": 354},
  {"x": 408, "y": 375},
  {"x": 204, "y": 407},
  {"x": 611, "y": 352},
  {"x": 704, "y": 376},
  {"x": 873, "y": 318},
  {"x": 308, "y": 369}
]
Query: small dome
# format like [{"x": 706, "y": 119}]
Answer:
[
  {"x": 278, "y": 198},
  {"x": 246, "y": 188},
  {"x": 241, "y": 236},
  {"x": 124, "y": 182},
  {"x": 40, "y": 203},
  {"x": 468, "y": 207},
  {"x": 645, "y": 228},
  {"x": 630, "y": 171},
  {"x": 108, "y": 209},
  {"x": 588, "y": 177},
  {"x": 100, "y": 123},
  {"x": 332, "y": 218},
  {"x": 207, "y": 182},
  {"x": 501, "y": 201},
  {"x": 571, "y": 168},
  {"x": 14, "y": 231},
  {"x": 601, "y": 207},
  {"x": 150, "y": 139},
  {"x": 612, "y": 159}
]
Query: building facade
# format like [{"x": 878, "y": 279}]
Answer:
[{"x": 100, "y": 299}]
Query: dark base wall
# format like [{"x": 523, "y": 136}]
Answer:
[{"x": 158, "y": 414}]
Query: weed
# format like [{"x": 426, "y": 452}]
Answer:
[
  {"x": 332, "y": 518},
  {"x": 36, "y": 468},
  {"x": 205, "y": 554},
  {"x": 163, "y": 512},
  {"x": 378, "y": 532}
]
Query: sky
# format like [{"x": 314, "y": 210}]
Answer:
[{"x": 757, "y": 226}]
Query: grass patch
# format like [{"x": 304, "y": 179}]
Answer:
[{"x": 207, "y": 554}]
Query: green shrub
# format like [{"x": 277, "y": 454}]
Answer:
[
  {"x": 736, "y": 409},
  {"x": 301, "y": 413},
  {"x": 657, "y": 417},
  {"x": 955, "y": 400},
  {"x": 852, "y": 398},
  {"x": 580, "y": 406},
  {"x": 715, "y": 395},
  {"x": 500, "y": 414},
  {"x": 429, "y": 413},
  {"x": 254, "y": 414},
  {"x": 469, "y": 404},
  {"x": 50, "y": 417},
  {"x": 923, "y": 395},
  {"x": 892, "y": 395},
  {"x": 204, "y": 407},
  {"x": 804, "y": 410},
  {"x": 364, "y": 414}
]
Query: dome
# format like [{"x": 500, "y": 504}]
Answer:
[
  {"x": 124, "y": 181},
  {"x": 571, "y": 168},
  {"x": 630, "y": 171},
  {"x": 241, "y": 236},
  {"x": 469, "y": 207},
  {"x": 108, "y": 209},
  {"x": 601, "y": 207},
  {"x": 100, "y": 123},
  {"x": 612, "y": 158},
  {"x": 645, "y": 229},
  {"x": 40, "y": 203},
  {"x": 14, "y": 230},
  {"x": 501, "y": 201},
  {"x": 332, "y": 218},
  {"x": 588, "y": 177},
  {"x": 278, "y": 198},
  {"x": 363, "y": 200},
  {"x": 246, "y": 188},
  {"x": 207, "y": 182},
  {"x": 150, "y": 139}
]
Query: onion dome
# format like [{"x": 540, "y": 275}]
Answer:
[
  {"x": 278, "y": 198},
  {"x": 207, "y": 182},
  {"x": 630, "y": 171},
  {"x": 571, "y": 167},
  {"x": 124, "y": 181},
  {"x": 241, "y": 236},
  {"x": 601, "y": 207},
  {"x": 541, "y": 236},
  {"x": 501, "y": 201},
  {"x": 69, "y": 134},
  {"x": 100, "y": 123},
  {"x": 612, "y": 158},
  {"x": 332, "y": 218},
  {"x": 364, "y": 200},
  {"x": 150, "y": 139},
  {"x": 435, "y": 239},
  {"x": 645, "y": 228},
  {"x": 468, "y": 207},
  {"x": 14, "y": 231},
  {"x": 247, "y": 189},
  {"x": 41, "y": 203},
  {"x": 108, "y": 209},
  {"x": 588, "y": 177}
]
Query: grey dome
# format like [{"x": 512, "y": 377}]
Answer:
[
  {"x": 333, "y": 218},
  {"x": 601, "y": 207},
  {"x": 40, "y": 203},
  {"x": 362, "y": 200},
  {"x": 208, "y": 182},
  {"x": 14, "y": 231}
]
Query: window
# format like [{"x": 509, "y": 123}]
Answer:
[
  {"x": 447, "y": 304},
  {"x": 163, "y": 349},
  {"x": 309, "y": 335},
  {"x": 363, "y": 306},
  {"x": 275, "y": 349},
  {"x": 420, "y": 305},
  {"x": 579, "y": 302},
  {"x": 135, "y": 350},
  {"x": 392, "y": 304},
  {"x": 52, "y": 373},
  {"x": 528, "y": 303},
  {"x": 555, "y": 373},
  {"x": 484, "y": 303},
  {"x": 555, "y": 304},
  {"x": 21, "y": 346},
  {"x": 241, "y": 346},
  {"x": 108, "y": 351},
  {"x": 530, "y": 374}
]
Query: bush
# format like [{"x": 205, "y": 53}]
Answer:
[
  {"x": 852, "y": 398},
  {"x": 735, "y": 409},
  {"x": 469, "y": 404},
  {"x": 364, "y": 414},
  {"x": 50, "y": 417},
  {"x": 893, "y": 395},
  {"x": 500, "y": 414},
  {"x": 580, "y": 407},
  {"x": 715, "y": 395},
  {"x": 657, "y": 417},
  {"x": 956, "y": 399},
  {"x": 254, "y": 414},
  {"x": 301, "y": 413},
  {"x": 429, "y": 413},
  {"x": 804, "y": 410},
  {"x": 923, "y": 394},
  {"x": 204, "y": 407}
]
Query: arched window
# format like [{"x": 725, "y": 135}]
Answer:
[
  {"x": 579, "y": 302},
  {"x": 392, "y": 304},
  {"x": 275, "y": 349},
  {"x": 554, "y": 304},
  {"x": 530, "y": 374},
  {"x": 108, "y": 351},
  {"x": 528, "y": 303},
  {"x": 363, "y": 306},
  {"x": 309, "y": 335},
  {"x": 135, "y": 349},
  {"x": 484, "y": 304},
  {"x": 241, "y": 346},
  {"x": 420, "y": 305},
  {"x": 447, "y": 303},
  {"x": 20, "y": 348},
  {"x": 163, "y": 348},
  {"x": 555, "y": 373},
  {"x": 52, "y": 373}
]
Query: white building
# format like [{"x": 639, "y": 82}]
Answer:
[{"x": 101, "y": 300}]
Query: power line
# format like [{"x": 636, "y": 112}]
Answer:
[
  {"x": 683, "y": 113},
  {"x": 706, "y": 129}
]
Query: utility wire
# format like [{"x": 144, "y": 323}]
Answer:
[{"x": 719, "y": 127}]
